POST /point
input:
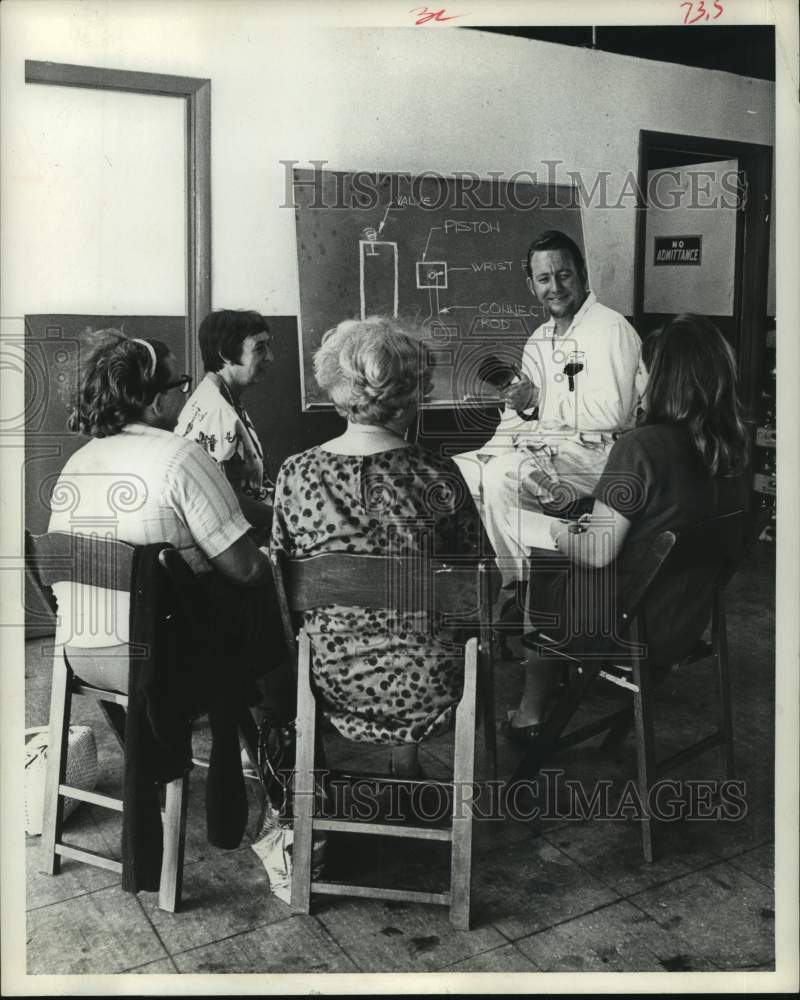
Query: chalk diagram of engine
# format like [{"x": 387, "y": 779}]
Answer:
[{"x": 379, "y": 282}]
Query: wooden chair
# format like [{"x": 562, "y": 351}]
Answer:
[
  {"x": 462, "y": 595},
  {"x": 674, "y": 588},
  {"x": 105, "y": 563}
]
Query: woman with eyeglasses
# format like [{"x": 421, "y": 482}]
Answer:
[
  {"x": 235, "y": 346},
  {"x": 139, "y": 480}
]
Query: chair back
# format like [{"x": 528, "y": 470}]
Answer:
[
  {"x": 63, "y": 557},
  {"x": 458, "y": 590},
  {"x": 671, "y": 587},
  {"x": 715, "y": 545}
]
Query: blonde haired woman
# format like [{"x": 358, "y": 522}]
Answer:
[{"x": 370, "y": 491}]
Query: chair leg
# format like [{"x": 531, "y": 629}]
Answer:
[
  {"x": 645, "y": 748},
  {"x": 177, "y": 801},
  {"x": 486, "y": 674},
  {"x": 719, "y": 638},
  {"x": 486, "y": 691},
  {"x": 463, "y": 793},
  {"x": 303, "y": 782},
  {"x": 53, "y": 818}
]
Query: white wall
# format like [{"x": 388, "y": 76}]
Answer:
[
  {"x": 384, "y": 99},
  {"x": 96, "y": 221}
]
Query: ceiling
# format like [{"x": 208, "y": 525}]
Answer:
[{"x": 748, "y": 50}]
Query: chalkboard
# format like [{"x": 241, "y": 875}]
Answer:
[{"x": 447, "y": 255}]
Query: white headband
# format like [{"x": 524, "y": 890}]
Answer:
[{"x": 151, "y": 351}]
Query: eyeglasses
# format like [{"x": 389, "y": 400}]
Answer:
[{"x": 185, "y": 383}]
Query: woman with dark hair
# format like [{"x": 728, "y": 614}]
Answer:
[
  {"x": 684, "y": 462},
  {"x": 235, "y": 347},
  {"x": 369, "y": 490}
]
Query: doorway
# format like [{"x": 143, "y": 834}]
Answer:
[
  {"x": 702, "y": 243},
  {"x": 94, "y": 226}
]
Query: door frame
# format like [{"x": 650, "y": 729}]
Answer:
[
  {"x": 752, "y": 244},
  {"x": 196, "y": 95}
]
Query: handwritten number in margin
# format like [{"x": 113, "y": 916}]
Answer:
[
  {"x": 424, "y": 15},
  {"x": 702, "y": 12}
]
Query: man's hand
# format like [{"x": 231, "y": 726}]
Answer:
[{"x": 522, "y": 394}]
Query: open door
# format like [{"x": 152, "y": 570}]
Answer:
[{"x": 703, "y": 243}]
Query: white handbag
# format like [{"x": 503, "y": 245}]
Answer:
[{"x": 81, "y": 771}]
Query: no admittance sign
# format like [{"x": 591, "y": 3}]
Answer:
[{"x": 678, "y": 250}]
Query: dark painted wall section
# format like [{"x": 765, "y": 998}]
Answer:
[
  {"x": 55, "y": 345},
  {"x": 275, "y": 407}
]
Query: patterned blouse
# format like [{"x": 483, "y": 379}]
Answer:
[
  {"x": 223, "y": 428},
  {"x": 385, "y": 678}
]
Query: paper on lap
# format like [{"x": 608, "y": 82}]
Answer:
[{"x": 535, "y": 530}]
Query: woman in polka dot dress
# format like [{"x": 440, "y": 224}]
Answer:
[{"x": 385, "y": 678}]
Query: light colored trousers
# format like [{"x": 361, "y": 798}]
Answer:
[{"x": 553, "y": 473}]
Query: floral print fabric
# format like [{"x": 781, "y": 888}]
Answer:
[{"x": 225, "y": 432}]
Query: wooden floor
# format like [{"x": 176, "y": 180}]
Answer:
[{"x": 550, "y": 894}]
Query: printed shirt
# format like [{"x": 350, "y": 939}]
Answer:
[
  {"x": 140, "y": 486},
  {"x": 604, "y": 352},
  {"x": 224, "y": 430}
]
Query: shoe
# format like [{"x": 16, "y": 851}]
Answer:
[
  {"x": 522, "y": 737},
  {"x": 510, "y": 618},
  {"x": 510, "y": 611}
]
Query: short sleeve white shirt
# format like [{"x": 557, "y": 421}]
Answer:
[{"x": 140, "y": 486}]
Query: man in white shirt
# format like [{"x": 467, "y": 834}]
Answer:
[{"x": 579, "y": 385}]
